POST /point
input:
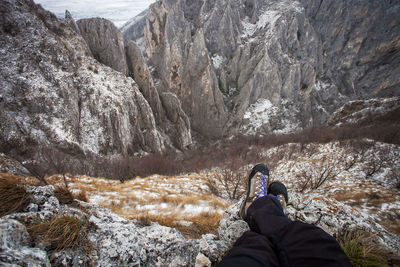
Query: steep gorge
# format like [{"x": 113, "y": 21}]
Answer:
[
  {"x": 294, "y": 61},
  {"x": 209, "y": 69}
]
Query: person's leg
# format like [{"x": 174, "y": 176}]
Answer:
[
  {"x": 274, "y": 240},
  {"x": 251, "y": 250},
  {"x": 308, "y": 245},
  {"x": 295, "y": 243},
  {"x": 253, "y": 247},
  {"x": 265, "y": 216}
]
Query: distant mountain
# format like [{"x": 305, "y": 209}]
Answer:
[
  {"x": 134, "y": 29},
  {"x": 245, "y": 66}
]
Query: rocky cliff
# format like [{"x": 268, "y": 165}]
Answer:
[
  {"x": 291, "y": 62},
  {"x": 166, "y": 107},
  {"x": 105, "y": 42},
  {"x": 214, "y": 67},
  {"x": 54, "y": 92},
  {"x": 133, "y": 29}
]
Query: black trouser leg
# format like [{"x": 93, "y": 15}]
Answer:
[{"x": 274, "y": 240}]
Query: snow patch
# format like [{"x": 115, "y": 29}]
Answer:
[
  {"x": 263, "y": 116},
  {"x": 322, "y": 86},
  {"x": 217, "y": 61},
  {"x": 270, "y": 17}
]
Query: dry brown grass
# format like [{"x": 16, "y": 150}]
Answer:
[
  {"x": 362, "y": 249},
  {"x": 13, "y": 195},
  {"x": 166, "y": 220},
  {"x": 391, "y": 221},
  {"x": 355, "y": 196},
  {"x": 62, "y": 232},
  {"x": 81, "y": 195},
  {"x": 392, "y": 226},
  {"x": 203, "y": 223},
  {"x": 130, "y": 200},
  {"x": 371, "y": 199},
  {"x": 65, "y": 196},
  {"x": 206, "y": 222}
]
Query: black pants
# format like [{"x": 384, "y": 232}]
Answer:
[{"x": 275, "y": 240}]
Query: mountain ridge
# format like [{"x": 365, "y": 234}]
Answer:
[{"x": 305, "y": 57}]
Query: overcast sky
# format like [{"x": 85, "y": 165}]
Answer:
[{"x": 118, "y": 11}]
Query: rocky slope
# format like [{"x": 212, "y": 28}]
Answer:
[
  {"x": 302, "y": 59},
  {"x": 353, "y": 196},
  {"x": 54, "y": 93},
  {"x": 114, "y": 241}
]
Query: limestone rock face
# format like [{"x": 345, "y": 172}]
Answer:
[
  {"x": 105, "y": 42},
  {"x": 167, "y": 109},
  {"x": 231, "y": 226},
  {"x": 271, "y": 66},
  {"x": 359, "y": 111},
  {"x": 52, "y": 92},
  {"x": 182, "y": 66},
  {"x": 360, "y": 44},
  {"x": 139, "y": 71},
  {"x": 72, "y": 23},
  {"x": 177, "y": 122},
  {"x": 133, "y": 29}
]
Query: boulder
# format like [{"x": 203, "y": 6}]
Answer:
[{"x": 15, "y": 246}]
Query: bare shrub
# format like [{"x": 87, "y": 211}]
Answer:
[
  {"x": 232, "y": 182},
  {"x": 375, "y": 160},
  {"x": 350, "y": 161},
  {"x": 394, "y": 176},
  {"x": 356, "y": 151},
  {"x": 156, "y": 164},
  {"x": 118, "y": 168},
  {"x": 373, "y": 165},
  {"x": 318, "y": 174},
  {"x": 213, "y": 187},
  {"x": 50, "y": 161}
]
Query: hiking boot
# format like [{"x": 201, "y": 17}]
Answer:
[
  {"x": 279, "y": 190},
  {"x": 256, "y": 187}
]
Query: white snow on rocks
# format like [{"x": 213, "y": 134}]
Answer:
[
  {"x": 357, "y": 110},
  {"x": 217, "y": 61},
  {"x": 321, "y": 85},
  {"x": 268, "y": 18},
  {"x": 263, "y": 116}
]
